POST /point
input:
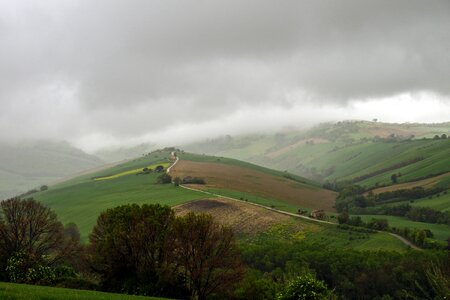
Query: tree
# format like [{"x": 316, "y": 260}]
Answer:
[
  {"x": 305, "y": 287},
  {"x": 443, "y": 136},
  {"x": 177, "y": 181},
  {"x": 378, "y": 224},
  {"x": 343, "y": 218},
  {"x": 394, "y": 178},
  {"x": 32, "y": 232},
  {"x": 28, "y": 226},
  {"x": 43, "y": 188},
  {"x": 164, "y": 179},
  {"x": 159, "y": 168},
  {"x": 130, "y": 248},
  {"x": 206, "y": 254}
]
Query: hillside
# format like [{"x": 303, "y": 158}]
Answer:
[
  {"x": 235, "y": 177},
  {"x": 81, "y": 199},
  {"x": 15, "y": 291},
  {"x": 251, "y": 222},
  {"x": 24, "y": 166},
  {"x": 366, "y": 153}
]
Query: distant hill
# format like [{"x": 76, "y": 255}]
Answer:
[
  {"x": 24, "y": 166},
  {"x": 81, "y": 199},
  {"x": 364, "y": 152},
  {"x": 116, "y": 154}
]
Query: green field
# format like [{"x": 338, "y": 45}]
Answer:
[
  {"x": 165, "y": 165},
  {"x": 441, "y": 203},
  {"x": 441, "y": 231},
  {"x": 82, "y": 199},
  {"x": 344, "y": 151},
  {"x": 12, "y": 291},
  {"x": 328, "y": 236}
]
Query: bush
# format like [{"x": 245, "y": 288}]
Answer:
[
  {"x": 23, "y": 268},
  {"x": 305, "y": 287},
  {"x": 164, "y": 179}
]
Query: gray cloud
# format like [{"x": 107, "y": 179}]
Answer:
[{"x": 120, "y": 68}]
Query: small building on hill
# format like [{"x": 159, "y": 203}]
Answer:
[{"x": 318, "y": 214}]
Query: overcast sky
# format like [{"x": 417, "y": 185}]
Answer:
[{"x": 101, "y": 73}]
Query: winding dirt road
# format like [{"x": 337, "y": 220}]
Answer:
[{"x": 402, "y": 239}]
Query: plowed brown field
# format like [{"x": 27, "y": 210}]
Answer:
[
  {"x": 250, "y": 181},
  {"x": 242, "y": 217}
]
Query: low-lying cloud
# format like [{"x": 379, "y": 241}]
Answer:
[{"x": 109, "y": 72}]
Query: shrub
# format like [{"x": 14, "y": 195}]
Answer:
[
  {"x": 164, "y": 178},
  {"x": 305, "y": 287}
]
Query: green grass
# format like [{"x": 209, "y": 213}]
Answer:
[
  {"x": 441, "y": 203},
  {"x": 326, "y": 235},
  {"x": 278, "y": 204},
  {"x": 12, "y": 291},
  {"x": 381, "y": 241},
  {"x": 82, "y": 199},
  {"x": 165, "y": 165},
  {"x": 344, "y": 151},
  {"x": 441, "y": 232}
]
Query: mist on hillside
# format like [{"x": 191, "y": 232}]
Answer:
[{"x": 170, "y": 73}]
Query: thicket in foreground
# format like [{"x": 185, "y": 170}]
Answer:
[
  {"x": 147, "y": 250},
  {"x": 34, "y": 246}
]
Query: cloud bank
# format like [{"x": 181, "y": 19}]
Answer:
[{"x": 100, "y": 73}]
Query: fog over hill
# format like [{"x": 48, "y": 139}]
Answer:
[
  {"x": 27, "y": 165},
  {"x": 122, "y": 73}
]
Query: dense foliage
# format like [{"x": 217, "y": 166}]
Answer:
[
  {"x": 352, "y": 274},
  {"x": 146, "y": 250}
]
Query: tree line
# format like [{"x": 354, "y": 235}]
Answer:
[{"x": 132, "y": 249}]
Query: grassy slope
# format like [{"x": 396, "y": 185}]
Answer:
[
  {"x": 81, "y": 199},
  {"x": 325, "y": 235},
  {"x": 441, "y": 203},
  {"x": 441, "y": 232},
  {"x": 348, "y": 147},
  {"x": 11, "y": 291}
]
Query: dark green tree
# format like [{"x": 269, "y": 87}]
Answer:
[
  {"x": 130, "y": 247},
  {"x": 394, "y": 178},
  {"x": 305, "y": 287},
  {"x": 164, "y": 179}
]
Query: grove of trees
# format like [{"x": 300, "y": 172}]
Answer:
[{"x": 148, "y": 250}]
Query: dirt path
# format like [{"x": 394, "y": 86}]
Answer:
[{"x": 400, "y": 238}]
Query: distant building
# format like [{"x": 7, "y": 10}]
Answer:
[{"x": 318, "y": 214}]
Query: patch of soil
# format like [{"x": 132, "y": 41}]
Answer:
[
  {"x": 242, "y": 217},
  {"x": 250, "y": 181}
]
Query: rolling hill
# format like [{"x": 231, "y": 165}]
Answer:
[
  {"x": 365, "y": 153},
  {"x": 81, "y": 199},
  {"x": 24, "y": 166}
]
